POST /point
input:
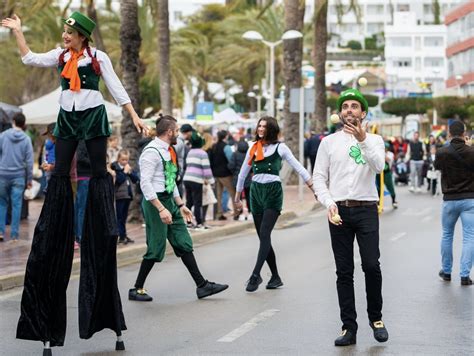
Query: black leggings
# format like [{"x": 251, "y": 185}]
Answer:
[
  {"x": 264, "y": 223},
  {"x": 96, "y": 148}
]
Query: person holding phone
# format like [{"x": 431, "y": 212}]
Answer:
[{"x": 344, "y": 182}]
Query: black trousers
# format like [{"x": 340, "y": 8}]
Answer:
[
  {"x": 362, "y": 223},
  {"x": 194, "y": 198},
  {"x": 121, "y": 208}
]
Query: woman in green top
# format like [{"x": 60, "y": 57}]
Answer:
[{"x": 265, "y": 157}]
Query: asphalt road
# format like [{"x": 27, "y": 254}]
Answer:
[{"x": 424, "y": 315}]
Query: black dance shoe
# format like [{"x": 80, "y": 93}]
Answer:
[
  {"x": 274, "y": 282},
  {"x": 139, "y": 295},
  {"x": 347, "y": 338},
  {"x": 253, "y": 283},
  {"x": 210, "y": 288},
  {"x": 466, "y": 281},
  {"x": 380, "y": 332},
  {"x": 445, "y": 276}
]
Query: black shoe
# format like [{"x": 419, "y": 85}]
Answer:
[
  {"x": 466, "y": 281},
  {"x": 347, "y": 338},
  {"x": 445, "y": 276},
  {"x": 140, "y": 295},
  {"x": 222, "y": 217},
  {"x": 128, "y": 240},
  {"x": 210, "y": 288},
  {"x": 380, "y": 332},
  {"x": 253, "y": 283},
  {"x": 274, "y": 282}
]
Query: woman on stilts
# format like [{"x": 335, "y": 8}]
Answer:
[
  {"x": 265, "y": 157},
  {"x": 82, "y": 116}
]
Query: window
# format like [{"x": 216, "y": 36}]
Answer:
[
  {"x": 399, "y": 42},
  {"x": 403, "y": 7},
  {"x": 417, "y": 43},
  {"x": 373, "y": 28},
  {"x": 178, "y": 15},
  {"x": 428, "y": 9},
  {"x": 434, "y": 41},
  {"x": 417, "y": 63},
  {"x": 375, "y": 10},
  {"x": 434, "y": 62},
  {"x": 402, "y": 63}
]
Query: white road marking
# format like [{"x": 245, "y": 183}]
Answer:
[
  {"x": 248, "y": 326},
  {"x": 427, "y": 218},
  {"x": 356, "y": 260},
  {"x": 398, "y": 236},
  {"x": 423, "y": 212}
]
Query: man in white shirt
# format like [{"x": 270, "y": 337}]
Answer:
[
  {"x": 164, "y": 210},
  {"x": 344, "y": 182}
]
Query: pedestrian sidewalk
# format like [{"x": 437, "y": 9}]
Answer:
[{"x": 13, "y": 255}]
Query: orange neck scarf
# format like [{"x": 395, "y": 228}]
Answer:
[
  {"x": 256, "y": 152},
  {"x": 70, "y": 70},
  {"x": 173, "y": 155}
]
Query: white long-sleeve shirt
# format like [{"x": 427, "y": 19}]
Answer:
[
  {"x": 152, "y": 174},
  {"x": 338, "y": 177},
  {"x": 284, "y": 152},
  {"x": 84, "y": 98}
]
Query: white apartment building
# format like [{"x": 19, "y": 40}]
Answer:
[
  {"x": 373, "y": 15},
  {"x": 414, "y": 54}
]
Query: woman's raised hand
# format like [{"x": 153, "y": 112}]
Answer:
[{"x": 13, "y": 23}]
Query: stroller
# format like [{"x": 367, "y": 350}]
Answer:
[{"x": 402, "y": 171}]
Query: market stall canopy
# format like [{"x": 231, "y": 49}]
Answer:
[
  {"x": 44, "y": 110},
  {"x": 7, "y": 111}
]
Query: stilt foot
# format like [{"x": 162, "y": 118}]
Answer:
[
  {"x": 119, "y": 346},
  {"x": 47, "y": 352}
]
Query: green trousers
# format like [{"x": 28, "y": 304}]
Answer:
[
  {"x": 158, "y": 232},
  {"x": 266, "y": 196}
]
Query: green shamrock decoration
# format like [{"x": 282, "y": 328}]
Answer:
[
  {"x": 170, "y": 176},
  {"x": 356, "y": 154}
]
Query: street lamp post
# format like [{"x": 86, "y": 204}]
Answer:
[
  {"x": 259, "y": 98},
  {"x": 458, "y": 82},
  {"x": 256, "y": 36}
]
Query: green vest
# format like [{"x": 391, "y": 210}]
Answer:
[
  {"x": 269, "y": 165},
  {"x": 89, "y": 79},
  {"x": 170, "y": 171}
]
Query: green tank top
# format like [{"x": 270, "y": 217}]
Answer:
[
  {"x": 89, "y": 79},
  {"x": 269, "y": 165}
]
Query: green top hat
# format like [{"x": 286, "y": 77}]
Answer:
[
  {"x": 81, "y": 23},
  {"x": 352, "y": 94}
]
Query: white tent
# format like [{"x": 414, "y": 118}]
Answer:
[{"x": 44, "y": 110}]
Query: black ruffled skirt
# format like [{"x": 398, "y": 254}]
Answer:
[
  {"x": 99, "y": 298},
  {"x": 43, "y": 304}
]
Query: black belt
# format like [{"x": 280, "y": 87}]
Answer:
[{"x": 355, "y": 203}]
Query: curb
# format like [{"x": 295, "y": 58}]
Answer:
[{"x": 134, "y": 254}]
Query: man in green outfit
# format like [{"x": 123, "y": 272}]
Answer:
[{"x": 164, "y": 211}]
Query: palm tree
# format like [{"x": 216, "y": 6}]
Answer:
[
  {"x": 164, "y": 57},
  {"x": 319, "y": 61},
  {"x": 130, "y": 41},
  {"x": 97, "y": 34},
  {"x": 292, "y": 59}
]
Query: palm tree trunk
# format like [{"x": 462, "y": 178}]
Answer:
[
  {"x": 319, "y": 60},
  {"x": 292, "y": 59},
  {"x": 130, "y": 41},
  {"x": 97, "y": 34},
  {"x": 164, "y": 57}
]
